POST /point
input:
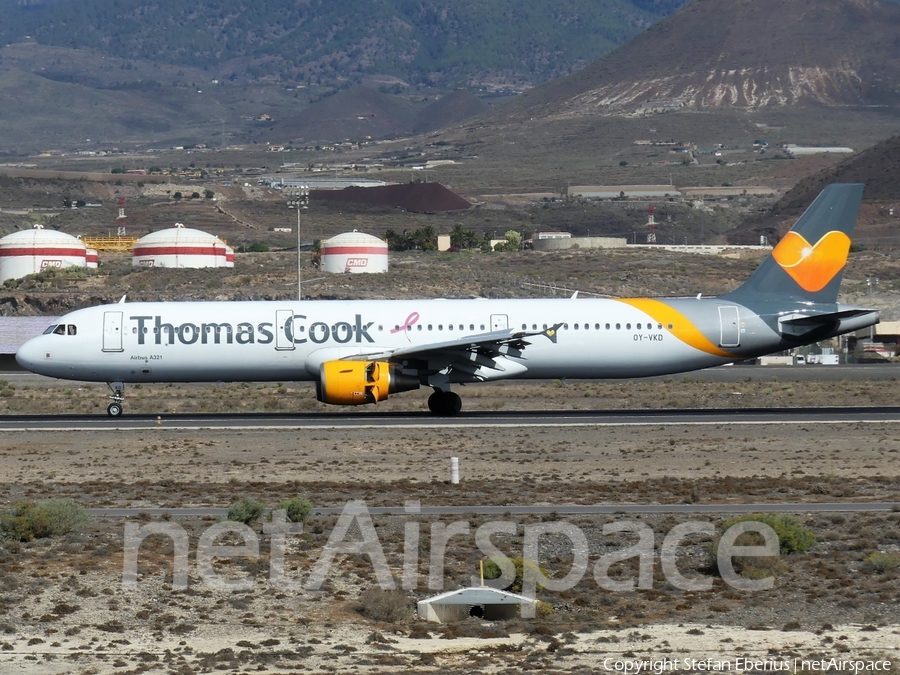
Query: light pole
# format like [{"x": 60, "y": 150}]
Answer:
[{"x": 298, "y": 198}]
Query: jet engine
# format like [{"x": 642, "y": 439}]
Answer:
[{"x": 358, "y": 382}]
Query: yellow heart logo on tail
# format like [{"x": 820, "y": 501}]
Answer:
[{"x": 812, "y": 266}]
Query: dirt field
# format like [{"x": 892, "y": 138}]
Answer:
[{"x": 64, "y": 608}]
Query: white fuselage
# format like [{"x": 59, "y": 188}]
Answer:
[{"x": 289, "y": 340}]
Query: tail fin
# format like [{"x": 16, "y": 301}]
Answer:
[{"x": 808, "y": 263}]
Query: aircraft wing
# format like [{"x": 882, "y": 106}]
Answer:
[{"x": 481, "y": 357}]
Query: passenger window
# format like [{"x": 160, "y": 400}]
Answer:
[
  {"x": 429, "y": 326},
  {"x": 134, "y": 330},
  {"x": 482, "y": 327},
  {"x": 576, "y": 326},
  {"x": 639, "y": 326},
  {"x": 627, "y": 326},
  {"x": 607, "y": 326},
  {"x": 50, "y": 329},
  {"x": 440, "y": 326},
  {"x": 72, "y": 329},
  {"x": 419, "y": 327},
  {"x": 670, "y": 326},
  {"x": 60, "y": 329},
  {"x": 659, "y": 327},
  {"x": 618, "y": 326}
]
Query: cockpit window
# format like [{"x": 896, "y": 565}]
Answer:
[
  {"x": 60, "y": 329},
  {"x": 50, "y": 329},
  {"x": 72, "y": 330}
]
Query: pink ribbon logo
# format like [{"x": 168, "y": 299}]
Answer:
[{"x": 411, "y": 321}]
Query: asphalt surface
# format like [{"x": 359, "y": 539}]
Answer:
[
  {"x": 738, "y": 373},
  {"x": 518, "y": 419},
  {"x": 559, "y": 509}
]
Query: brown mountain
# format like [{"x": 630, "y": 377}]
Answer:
[
  {"x": 749, "y": 54},
  {"x": 360, "y": 111},
  {"x": 878, "y": 167}
]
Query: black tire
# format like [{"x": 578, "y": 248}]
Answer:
[
  {"x": 114, "y": 409},
  {"x": 444, "y": 403},
  {"x": 454, "y": 403}
]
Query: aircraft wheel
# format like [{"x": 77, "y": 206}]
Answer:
[
  {"x": 444, "y": 403},
  {"x": 114, "y": 409}
]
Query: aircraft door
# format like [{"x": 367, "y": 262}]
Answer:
[
  {"x": 499, "y": 322},
  {"x": 284, "y": 329},
  {"x": 729, "y": 326},
  {"x": 112, "y": 331}
]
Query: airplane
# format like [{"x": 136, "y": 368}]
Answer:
[{"x": 363, "y": 351}]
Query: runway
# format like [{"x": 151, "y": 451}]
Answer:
[
  {"x": 415, "y": 420},
  {"x": 557, "y": 509}
]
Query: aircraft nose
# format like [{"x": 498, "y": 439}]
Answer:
[{"x": 32, "y": 354}]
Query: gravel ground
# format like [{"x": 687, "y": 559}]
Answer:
[{"x": 64, "y": 608}]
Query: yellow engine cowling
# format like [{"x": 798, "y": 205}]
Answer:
[{"x": 358, "y": 382}]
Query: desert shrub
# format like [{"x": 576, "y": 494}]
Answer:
[
  {"x": 492, "y": 571},
  {"x": 297, "y": 509},
  {"x": 381, "y": 605},
  {"x": 793, "y": 536},
  {"x": 882, "y": 561},
  {"x": 246, "y": 510},
  {"x": 45, "y": 518}
]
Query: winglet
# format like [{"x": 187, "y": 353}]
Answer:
[
  {"x": 122, "y": 301},
  {"x": 551, "y": 333}
]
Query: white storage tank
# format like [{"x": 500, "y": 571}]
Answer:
[
  {"x": 181, "y": 246},
  {"x": 32, "y": 251},
  {"x": 354, "y": 252}
]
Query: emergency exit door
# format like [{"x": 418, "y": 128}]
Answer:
[{"x": 730, "y": 327}]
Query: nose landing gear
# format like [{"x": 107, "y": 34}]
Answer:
[{"x": 115, "y": 408}]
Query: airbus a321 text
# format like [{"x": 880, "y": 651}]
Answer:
[{"x": 362, "y": 351}]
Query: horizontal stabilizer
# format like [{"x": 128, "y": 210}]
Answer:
[{"x": 801, "y": 325}]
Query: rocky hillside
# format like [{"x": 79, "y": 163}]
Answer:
[
  {"x": 716, "y": 54},
  {"x": 879, "y": 220}
]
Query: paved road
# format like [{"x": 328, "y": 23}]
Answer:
[
  {"x": 518, "y": 419},
  {"x": 557, "y": 509},
  {"x": 739, "y": 373}
]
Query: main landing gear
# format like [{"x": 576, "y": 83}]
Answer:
[
  {"x": 444, "y": 403},
  {"x": 115, "y": 408}
]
